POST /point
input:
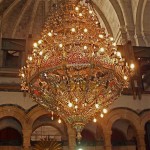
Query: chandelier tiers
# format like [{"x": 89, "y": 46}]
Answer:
[{"x": 75, "y": 69}]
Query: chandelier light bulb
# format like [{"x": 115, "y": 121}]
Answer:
[
  {"x": 90, "y": 11},
  {"x": 35, "y": 45},
  {"x": 101, "y": 36},
  {"x": 50, "y": 34},
  {"x": 85, "y": 30},
  {"x": 105, "y": 111},
  {"x": 114, "y": 44},
  {"x": 76, "y": 8},
  {"x": 125, "y": 77},
  {"x": 85, "y": 47},
  {"x": 59, "y": 121},
  {"x": 80, "y": 14},
  {"x": 40, "y": 42},
  {"x": 52, "y": 118},
  {"x": 30, "y": 58},
  {"x": 61, "y": 45},
  {"x": 111, "y": 39},
  {"x": 73, "y": 30},
  {"x": 94, "y": 120},
  {"x": 102, "y": 115},
  {"x": 118, "y": 54},
  {"x": 41, "y": 53},
  {"x": 97, "y": 106},
  {"x": 76, "y": 99},
  {"x": 76, "y": 107},
  {"x": 132, "y": 66},
  {"x": 23, "y": 75},
  {"x": 102, "y": 49},
  {"x": 70, "y": 104}
]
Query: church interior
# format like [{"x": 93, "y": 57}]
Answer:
[{"x": 23, "y": 122}]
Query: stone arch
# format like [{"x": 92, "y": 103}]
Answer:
[
  {"x": 14, "y": 112},
  {"x": 145, "y": 117},
  {"x": 125, "y": 114},
  {"x": 139, "y": 22},
  {"x": 145, "y": 22},
  {"x": 49, "y": 124},
  {"x": 116, "y": 19},
  {"x": 118, "y": 11},
  {"x": 104, "y": 19},
  {"x": 35, "y": 113}
]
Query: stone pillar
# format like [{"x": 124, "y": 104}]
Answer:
[
  {"x": 71, "y": 138},
  {"x": 26, "y": 139},
  {"x": 107, "y": 139},
  {"x": 141, "y": 140}
]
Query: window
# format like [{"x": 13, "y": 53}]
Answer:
[{"x": 12, "y": 52}]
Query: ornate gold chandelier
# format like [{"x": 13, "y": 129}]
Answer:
[{"x": 75, "y": 69}]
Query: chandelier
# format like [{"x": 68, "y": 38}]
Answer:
[{"x": 75, "y": 69}]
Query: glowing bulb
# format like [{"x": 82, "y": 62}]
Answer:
[
  {"x": 35, "y": 45},
  {"x": 73, "y": 30},
  {"x": 85, "y": 47},
  {"x": 52, "y": 118},
  {"x": 30, "y": 58},
  {"x": 23, "y": 75},
  {"x": 114, "y": 44},
  {"x": 101, "y": 115},
  {"x": 61, "y": 45},
  {"x": 94, "y": 120},
  {"x": 111, "y": 39},
  {"x": 97, "y": 106},
  {"x": 125, "y": 77},
  {"x": 59, "y": 120},
  {"x": 101, "y": 49},
  {"x": 118, "y": 54},
  {"x": 41, "y": 53},
  {"x": 90, "y": 11},
  {"x": 85, "y": 30},
  {"x": 132, "y": 66},
  {"x": 77, "y": 8},
  {"x": 49, "y": 34},
  {"x": 105, "y": 111},
  {"x": 76, "y": 99},
  {"x": 70, "y": 104},
  {"x": 101, "y": 36},
  {"x": 76, "y": 107},
  {"x": 40, "y": 42},
  {"x": 80, "y": 14}
]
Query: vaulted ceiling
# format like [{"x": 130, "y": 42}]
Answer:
[{"x": 123, "y": 19}]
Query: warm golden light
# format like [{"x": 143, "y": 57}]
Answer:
[
  {"x": 102, "y": 115},
  {"x": 94, "y": 120},
  {"x": 75, "y": 70},
  {"x": 105, "y": 110},
  {"x": 35, "y": 45},
  {"x": 59, "y": 121},
  {"x": 132, "y": 66}
]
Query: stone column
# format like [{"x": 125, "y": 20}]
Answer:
[
  {"x": 141, "y": 140},
  {"x": 107, "y": 139},
  {"x": 71, "y": 138},
  {"x": 26, "y": 139}
]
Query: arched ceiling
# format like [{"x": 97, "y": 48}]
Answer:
[{"x": 123, "y": 19}]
